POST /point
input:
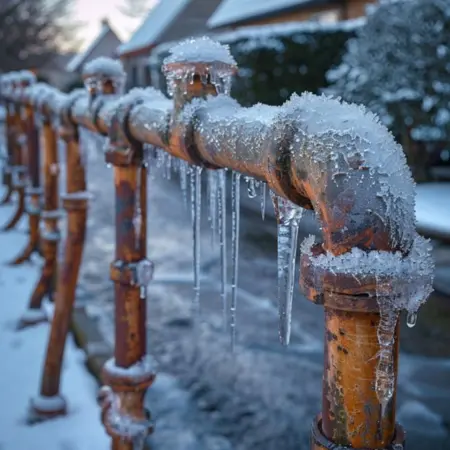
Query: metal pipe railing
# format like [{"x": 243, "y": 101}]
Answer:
[
  {"x": 50, "y": 235},
  {"x": 33, "y": 190},
  {"x": 18, "y": 163},
  {"x": 313, "y": 152}
]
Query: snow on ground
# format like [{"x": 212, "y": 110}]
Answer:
[
  {"x": 433, "y": 208},
  {"x": 21, "y": 356}
]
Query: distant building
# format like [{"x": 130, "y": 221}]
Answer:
[
  {"x": 169, "y": 20},
  {"x": 105, "y": 44},
  {"x": 232, "y": 14},
  {"x": 54, "y": 71}
]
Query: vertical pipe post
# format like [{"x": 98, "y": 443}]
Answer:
[
  {"x": 33, "y": 193},
  {"x": 352, "y": 415},
  {"x": 128, "y": 375},
  {"x": 20, "y": 169},
  {"x": 50, "y": 403},
  {"x": 9, "y": 132},
  {"x": 50, "y": 235}
]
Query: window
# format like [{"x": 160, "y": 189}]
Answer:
[
  {"x": 331, "y": 16},
  {"x": 134, "y": 76},
  {"x": 147, "y": 76}
]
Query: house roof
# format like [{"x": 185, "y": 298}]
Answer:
[
  {"x": 78, "y": 60},
  {"x": 158, "y": 19},
  {"x": 236, "y": 11}
]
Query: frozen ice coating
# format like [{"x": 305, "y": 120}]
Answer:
[
  {"x": 346, "y": 155},
  {"x": 200, "y": 50},
  {"x": 408, "y": 279},
  {"x": 106, "y": 67},
  {"x": 27, "y": 75}
]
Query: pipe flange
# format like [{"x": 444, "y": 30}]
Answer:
[
  {"x": 320, "y": 442},
  {"x": 128, "y": 426},
  {"x": 51, "y": 236},
  {"x": 53, "y": 214},
  {"x": 357, "y": 279},
  {"x": 139, "y": 273},
  {"x": 137, "y": 377}
]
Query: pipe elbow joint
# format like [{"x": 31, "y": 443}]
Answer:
[{"x": 352, "y": 171}]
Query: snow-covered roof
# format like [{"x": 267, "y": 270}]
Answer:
[
  {"x": 78, "y": 60},
  {"x": 232, "y": 11},
  {"x": 158, "y": 19}
]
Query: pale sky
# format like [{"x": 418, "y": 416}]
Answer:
[{"x": 91, "y": 12}]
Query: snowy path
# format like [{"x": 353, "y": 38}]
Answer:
[{"x": 21, "y": 356}]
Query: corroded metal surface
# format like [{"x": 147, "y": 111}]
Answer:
[
  {"x": 128, "y": 389},
  {"x": 7, "y": 175},
  {"x": 33, "y": 194},
  {"x": 75, "y": 203},
  {"x": 320, "y": 442},
  {"x": 50, "y": 234}
]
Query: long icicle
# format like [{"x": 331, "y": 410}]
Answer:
[
  {"x": 183, "y": 180},
  {"x": 288, "y": 220},
  {"x": 196, "y": 196},
  {"x": 212, "y": 200},
  {"x": 137, "y": 213},
  {"x": 263, "y": 200},
  {"x": 385, "y": 374},
  {"x": 222, "y": 206},
  {"x": 235, "y": 219}
]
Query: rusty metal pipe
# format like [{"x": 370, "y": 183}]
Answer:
[
  {"x": 19, "y": 155},
  {"x": 319, "y": 154},
  {"x": 50, "y": 235},
  {"x": 33, "y": 192},
  {"x": 128, "y": 375},
  {"x": 75, "y": 202}
]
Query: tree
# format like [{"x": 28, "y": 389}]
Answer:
[
  {"x": 32, "y": 31},
  {"x": 399, "y": 66},
  {"x": 137, "y": 9}
]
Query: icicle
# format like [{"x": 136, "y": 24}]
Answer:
[
  {"x": 235, "y": 218},
  {"x": 222, "y": 210},
  {"x": 288, "y": 218},
  {"x": 411, "y": 319},
  {"x": 137, "y": 213},
  {"x": 212, "y": 197},
  {"x": 263, "y": 200},
  {"x": 385, "y": 377},
  {"x": 251, "y": 187},
  {"x": 183, "y": 180},
  {"x": 168, "y": 166},
  {"x": 196, "y": 198}
]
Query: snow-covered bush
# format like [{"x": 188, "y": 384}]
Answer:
[{"x": 399, "y": 66}]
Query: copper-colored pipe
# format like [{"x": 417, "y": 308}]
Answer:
[
  {"x": 33, "y": 192},
  {"x": 75, "y": 202},
  {"x": 7, "y": 175},
  {"x": 50, "y": 236},
  {"x": 19, "y": 167},
  {"x": 126, "y": 389}
]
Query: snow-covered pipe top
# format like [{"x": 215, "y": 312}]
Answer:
[{"x": 104, "y": 76}]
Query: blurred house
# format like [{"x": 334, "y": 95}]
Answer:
[
  {"x": 236, "y": 13},
  {"x": 54, "y": 71},
  {"x": 105, "y": 44},
  {"x": 169, "y": 20}
]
